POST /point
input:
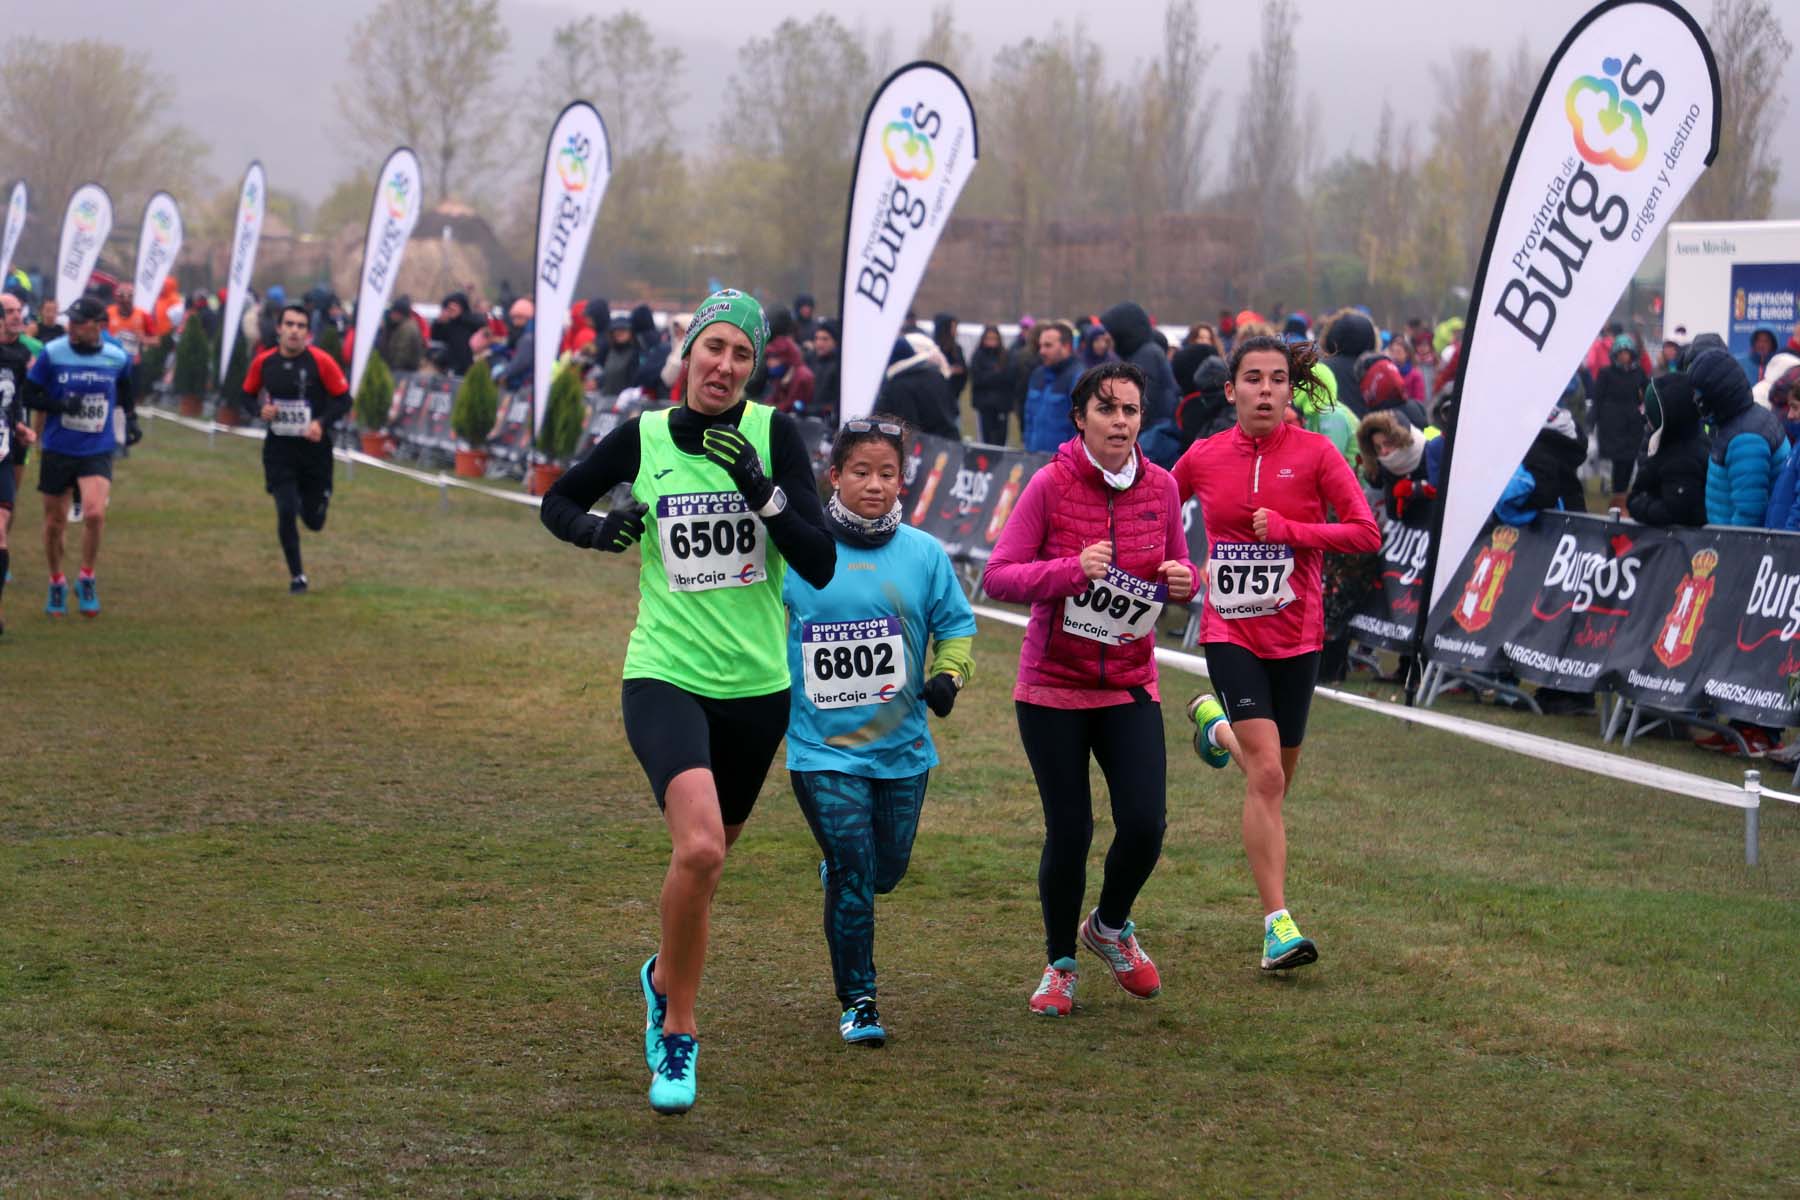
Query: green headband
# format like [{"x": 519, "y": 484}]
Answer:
[{"x": 734, "y": 308}]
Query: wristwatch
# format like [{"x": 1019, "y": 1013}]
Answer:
[{"x": 776, "y": 505}]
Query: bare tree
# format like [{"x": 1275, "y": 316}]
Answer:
[
  {"x": 622, "y": 67},
  {"x": 1752, "y": 52},
  {"x": 428, "y": 76},
  {"x": 1177, "y": 91},
  {"x": 1267, "y": 139},
  {"x": 943, "y": 42},
  {"x": 796, "y": 105},
  {"x": 75, "y": 111}
]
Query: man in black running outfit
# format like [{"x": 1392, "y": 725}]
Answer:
[{"x": 299, "y": 390}]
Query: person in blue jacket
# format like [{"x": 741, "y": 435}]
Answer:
[
  {"x": 859, "y": 752},
  {"x": 1046, "y": 418},
  {"x": 81, "y": 380},
  {"x": 1750, "y": 445}
]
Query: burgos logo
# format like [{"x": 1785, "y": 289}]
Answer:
[
  {"x": 247, "y": 210},
  {"x": 87, "y": 216},
  {"x": 398, "y": 198},
  {"x": 571, "y": 163},
  {"x": 1609, "y": 132},
  {"x": 907, "y": 142},
  {"x": 162, "y": 226}
]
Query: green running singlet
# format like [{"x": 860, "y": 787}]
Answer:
[{"x": 710, "y": 617}]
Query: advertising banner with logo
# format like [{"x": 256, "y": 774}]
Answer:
[
  {"x": 87, "y": 223},
  {"x": 1763, "y": 296},
  {"x": 399, "y": 197},
  {"x": 15, "y": 225},
  {"x": 1623, "y": 121},
  {"x": 1682, "y": 619},
  {"x": 1389, "y": 616},
  {"x": 159, "y": 241},
  {"x": 577, "y": 167},
  {"x": 918, "y": 147},
  {"x": 961, "y": 493},
  {"x": 243, "y": 259}
]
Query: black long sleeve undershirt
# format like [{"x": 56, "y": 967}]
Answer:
[{"x": 798, "y": 531}]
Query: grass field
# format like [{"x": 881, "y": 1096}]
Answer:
[{"x": 345, "y": 895}]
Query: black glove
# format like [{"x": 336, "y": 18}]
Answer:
[
  {"x": 940, "y": 693},
  {"x": 620, "y": 529},
  {"x": 134, "y": 433},
  {"x": 729, "y": 448}
]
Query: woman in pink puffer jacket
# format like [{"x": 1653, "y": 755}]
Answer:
[{"x": 1096, "y": 548}]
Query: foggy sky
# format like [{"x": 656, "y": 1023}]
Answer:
[{"x": 258, "y": 80}]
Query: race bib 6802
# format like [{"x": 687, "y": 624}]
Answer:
[{"x": 847, "y": 663}]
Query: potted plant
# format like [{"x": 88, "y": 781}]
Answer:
[
  {"x": 472, "y": 419},
  {"x": 330, "y": 340},
  {"x": 227, "y": 412},
  {"x": 193, "y": 358},
  {"x": 374, "y": 397},
  {"x": 565, "y": 413}
]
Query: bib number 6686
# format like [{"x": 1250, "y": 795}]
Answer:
[{"x": 697, "y": 539}]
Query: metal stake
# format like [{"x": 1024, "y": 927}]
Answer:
[{"x": 1752, "y": 816}]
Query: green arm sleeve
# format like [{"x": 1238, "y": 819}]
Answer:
[{"x": 955, "y": 655}]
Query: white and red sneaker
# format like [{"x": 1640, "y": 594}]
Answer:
[
  {"x": 1055, "y": 995},
  {"x": 1131, "y": 968}
]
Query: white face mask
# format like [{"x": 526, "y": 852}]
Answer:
[{"x": 1405, "y": 459}]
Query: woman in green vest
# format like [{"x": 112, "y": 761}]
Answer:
[{"x": 723, "y": 496}]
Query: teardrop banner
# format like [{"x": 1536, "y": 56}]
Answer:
[
  {"x": 159, "y": 242},
  {"x": 919, "y": 145},
  {"x": 399, "y": 198},
  {"x": 15, "y": 225},
  {"x": 244, "y": 238},
  {"x": 577, "y": 168},
  {"x": 87, "y": 223},
  {"x": 1624, "y": 120}
]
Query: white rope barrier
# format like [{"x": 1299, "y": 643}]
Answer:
[{"x": 1747, "y": 797}]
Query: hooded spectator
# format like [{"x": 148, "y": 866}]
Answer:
[
  {"x": 1382, "y": 389},
  {"x": 1412, "y": 380},
  {"x": 1131, "y": 331},
  {"x": 1762, "y": 349},
  {"x": 916, "y": 389},
  {"x": 1784, "y": 498},
  {"x": 1700, "y": 345},
  {"x": 991, "y": 385},
  {"x": 1319, "y": 412},
  {"x": 1096, "y": 347},
  {"x": 400, "y": 344},
  {"x": 619, "y": 368},
  {"x": 1670, "y": 359},
  {"x": 643, "y": 327},
  {"x": 790, "y": 379},
  {"x": 1778, "y": 366},
  {"x": 806, "y": 319},
  {"x": 1200, "y": 372},
  {"x": 581, "y": 334},
  {"x": 1547, "y": 478},
  {"x": 451, "y": 332},
  {"x": 826, "y": 337},
  {"x": 1047, "y": 424},
  {"x": 1750, "y": 445},
  {"x": 943, "y": 332},
  {"x": 1669, "y": 487},
  {"x": 1349, "y": 337},
  {"x": 1393, "y": 459},
  {"x": 1617, "y": 414},
  {"x": 1294, "y": 328}
]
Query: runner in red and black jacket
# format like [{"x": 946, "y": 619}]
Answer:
[{"x": 300, "y": 391}]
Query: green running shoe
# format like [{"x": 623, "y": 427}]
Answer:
[
  {"x": 1284, "y": 948},
  {"x": 672, "y": 1087},
  {"x": 1205, "y": 711},
  {"x": 655, "y": 1006}
]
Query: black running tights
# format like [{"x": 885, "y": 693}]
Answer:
[
  {"x": 292, "y": 505},
  {"x": 1127, "y": 741}
]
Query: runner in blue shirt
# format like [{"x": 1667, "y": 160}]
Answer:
[
  {"x": 81, "y": 379},
  {"x": 859, "y": 752}
]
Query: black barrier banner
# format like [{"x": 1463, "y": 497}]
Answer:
[
  {"x": 1684, "y": 619},
  {"x": 962, "y": 493},
  {"x": 1389, "y": 616}
]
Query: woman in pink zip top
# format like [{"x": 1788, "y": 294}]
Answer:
[
  {"x": 1096, "y": 547},
  {"x": 1268, "y": 491}
]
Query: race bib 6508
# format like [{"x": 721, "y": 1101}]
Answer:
[{"x": 710, "y": 540}]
